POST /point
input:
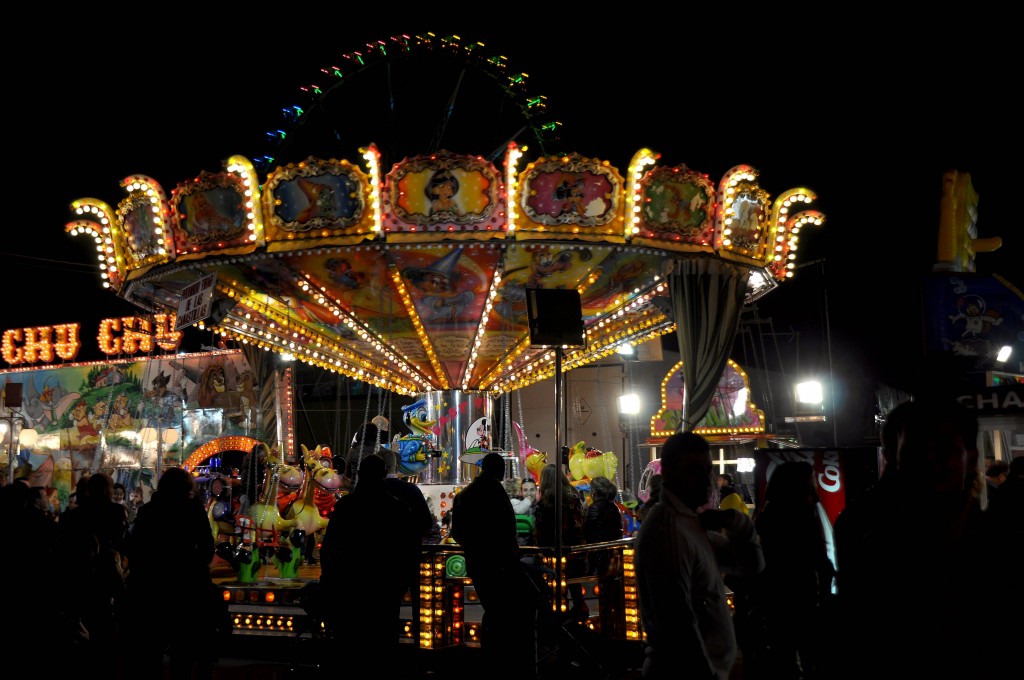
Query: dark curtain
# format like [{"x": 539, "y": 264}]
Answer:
[{"x": 707, "y": 295}]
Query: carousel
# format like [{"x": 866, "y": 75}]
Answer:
[
  {"x": 426, "y": 274},
  {"x": 417, "y": 277}
]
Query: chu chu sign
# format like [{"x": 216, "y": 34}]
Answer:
[{"x": 123, "y": 335}]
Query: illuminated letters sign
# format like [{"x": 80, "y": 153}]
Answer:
[{"x": 121, "y": 336}]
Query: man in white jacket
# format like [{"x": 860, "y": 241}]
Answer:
[{"x": 682, "y": 550}]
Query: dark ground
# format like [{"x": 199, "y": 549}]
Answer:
[
  {"x": 609, "y": 661},
  {"x": 279, "y": 659}
]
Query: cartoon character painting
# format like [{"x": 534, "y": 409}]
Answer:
[
  {"x": 120, "y": 414},
  {"x": 441, "y": 190},
  {"x": 971, "y": 309},
  {"x": 443, "y": 299},
  {"x": 319, "y": 198}
]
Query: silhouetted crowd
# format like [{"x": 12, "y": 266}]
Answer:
[{"x": 907, "y": 591}]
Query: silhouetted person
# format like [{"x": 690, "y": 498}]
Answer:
[
  {"x": 364, "y": 604},
  {"x": 995, "y": 474},
  {"x": 602, "y": 521},
  {"x": 31, "y": 597},
  {"x": 680, "y": 556},
  {"x": 484, "y": 524},
  {"x": 91, "y": 544},
  {"x": 914, "y": 601},
  {"x": 367, "y": 440},
  {"x": 1005, "y": 520},
  {"x": 652, "y": 499},
  {"x": 169, "y": 554},
  {"x": 793, "y": 592},
  {"x": 410, "y": 494},
  {"x": 546, "y": 527},
  {"x": 857, "y": 520}
]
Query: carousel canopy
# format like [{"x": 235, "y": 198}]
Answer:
[{"x": 417, "y": 277}]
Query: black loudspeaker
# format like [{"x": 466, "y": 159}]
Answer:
[
  {"x": 555, "y": 317},
  {"x": 219, "y": 311},
  {"x": 12, "y": 395}
]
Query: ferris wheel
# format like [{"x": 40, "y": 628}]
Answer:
[{"x": 411, "y": 95}]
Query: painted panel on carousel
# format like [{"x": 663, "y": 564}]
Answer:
[
  {"x": 448, "y": 287},
  {"x": 280, "y": 288},
  {"x": 538, "y": 265},
  {"x": 316, "y": 199},
  {"x": 731, "y": 409},
  {"x": 444, "y": 192},
  {"x": 361, "y": 287},
  {"x": 742, "y": 226},
  {"x": 211, "y": 216},
  {"x": 145, "y": 224},
  {"x": 677, "y": 208},
  {"x": 619, "y": 275},
  {"x": 570, "y": 195}
]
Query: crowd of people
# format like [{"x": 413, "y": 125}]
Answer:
[
  {"x": 896, "y": 586},
  {"x": 716, "y": 580},
  {"x": 102, "y": 560}
]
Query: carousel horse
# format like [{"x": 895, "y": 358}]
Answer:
[
  {"x": 281, "y": 479},
  {"x": 415, "y": 451},
  {"x": 323, "y": 497},
  {"x": 303, "y": 513}
]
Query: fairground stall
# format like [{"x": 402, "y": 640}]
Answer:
[
  {"x": 147, "y": 408},
  {"x": 451, "y": 278}
]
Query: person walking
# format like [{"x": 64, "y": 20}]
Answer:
[
  {"x": 170, "y": 552},
  {"x": 484, "y": 524},
  {"x": 681, "y": 551},
  {"x": 368, "y": 521},
  {"x": 794, "y": 592}
]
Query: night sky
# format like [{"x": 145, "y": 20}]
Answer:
[{"x": 868, "y": 122}]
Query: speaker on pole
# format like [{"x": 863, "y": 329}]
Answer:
[
  {"x": 220, "y": 310},
  {"x": 555, "y": 317}
]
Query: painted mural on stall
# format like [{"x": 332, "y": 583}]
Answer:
[{"x": 131, "y": 418}]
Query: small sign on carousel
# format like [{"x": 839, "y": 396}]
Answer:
[{"x": 196, "y": 302}]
